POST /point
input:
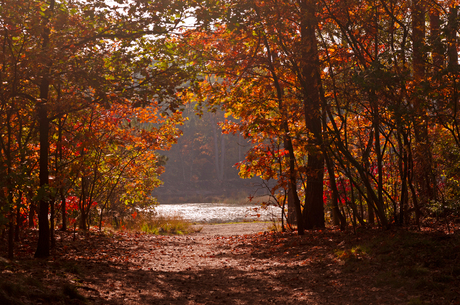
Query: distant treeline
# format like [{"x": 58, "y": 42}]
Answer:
[{"x": 201, "y": 167}]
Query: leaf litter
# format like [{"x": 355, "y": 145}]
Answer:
[{"x": 321, "y": 267}]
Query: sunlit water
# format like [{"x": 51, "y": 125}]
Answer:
[{"x": 219, "y": 212}]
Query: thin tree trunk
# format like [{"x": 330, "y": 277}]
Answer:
[
  {"x": 32, "y": 208},
  {"x": 376, "y": 120},
  {"x": 61, "y": 188},
  {"x": 82, "y": 224},
  {"x": 216, "y": 147},
  {"x": 452, "y": 28},
  {"x": 63, "y": 210},
  {"x": 18, "y": 216},
  {"x": 363, "y": 172},
  {"x": 292, "y": 195},
  {"x": 335, "y": 194},
  {"x": 222, "y": 157},
  {"x": 11, "y": 234},
  {"x": 52, "y": 221},
  {"x": 403, "y": 170},
  {"x": 43, "y": 246},
  {"x": 422, "y": 153},
  {"x": 378, "y": 151},
  {"x": 291, "y": 216},
  {"x": 435, "y": 41}
]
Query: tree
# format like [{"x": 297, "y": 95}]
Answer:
[
  {"x": 264, "y": 61},
  {"x": 359, "y": 68},
  {"x": 310, "y": 81},
  {"x": 79, "y": 54}
]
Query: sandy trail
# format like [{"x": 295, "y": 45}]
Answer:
[{"x": 233, "y": 229}]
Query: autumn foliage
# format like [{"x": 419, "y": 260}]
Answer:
[
  {"x": 351, "y": 106},
  {"x": 90, "y": 93},
  {"x": 370, "y": 98}
]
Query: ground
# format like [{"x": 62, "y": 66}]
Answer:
[
  {"x": 238, "y": 264},
  {"x": 233, "y": 229}
]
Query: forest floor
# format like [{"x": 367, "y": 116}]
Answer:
[{"x": 237, "y": 264}]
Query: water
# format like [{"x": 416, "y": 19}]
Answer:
[{"x": 219, "y": 212}]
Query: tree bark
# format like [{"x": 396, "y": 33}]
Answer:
[
  {"x": 43, "y": 246},
  {"x": 32, "y": 210},
  {"x": 422, "y": 152},
  {"x": 219, "y": 173},
  {"x": 336, "y": 213},
  {"x": 292, "y": 188},
  {"x": 452, "y": 28},
  {"x": 59, "y": 158},
  {"x": 82, "y": 204},
  {"x": 18, "y": 216},
  {"x": 435, "y": 40},
  {"x": 11, "y": 233},
  {"x": 313, "y": 212}
]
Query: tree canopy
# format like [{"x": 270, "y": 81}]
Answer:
[
  {"x": 349, "y": 102},
  {"x": 350, "y": 106}
]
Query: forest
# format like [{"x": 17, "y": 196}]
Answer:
[
  {"x": 201, "y": 166},
  {"x": 347, "y": 111}
]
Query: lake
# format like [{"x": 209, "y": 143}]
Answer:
[{"x": 219, "y": 212}]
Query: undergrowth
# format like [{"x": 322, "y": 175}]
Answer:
[{"x": 153, "y": 223}]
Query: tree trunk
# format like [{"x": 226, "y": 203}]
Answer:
[
  {"x": 336, "y": 213},
  {"x": 292, "y": 194},
  {"x": 82, "y": 224},
  {"x": 403, "y": 171},
  {"x": 291, "y": 215},
  {"x": 59, "y": 157},
  {"x": 63, "y": 210},
  {"x": 32, "y": 208},
  {"x": 52, "y": 222},
  {"x": 11, "y": 234},
  {"x": 378, "y": 150},
  {"x": 43, "y": 246},
  {"x": 363, "y": 172},
  {"x": 216, "y": 148},
  {"x": 313, "y": 212},
  {"x": 370, "y": 215},
  {"x": 422, "y": 152},
  {"x": 452, "y": 28},
  {"x": 453, "y": 54},
  {"x": 435, "y": 40},
  {"x": 18, "y": 216},
  {"x": 222, "y": 157}
]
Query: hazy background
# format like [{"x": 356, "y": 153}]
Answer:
[{"x": 201, "y": 166}]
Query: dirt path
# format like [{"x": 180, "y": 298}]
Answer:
[
  {"x": 214, "y": 266},
  {"x": 233, "y": 229}
]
